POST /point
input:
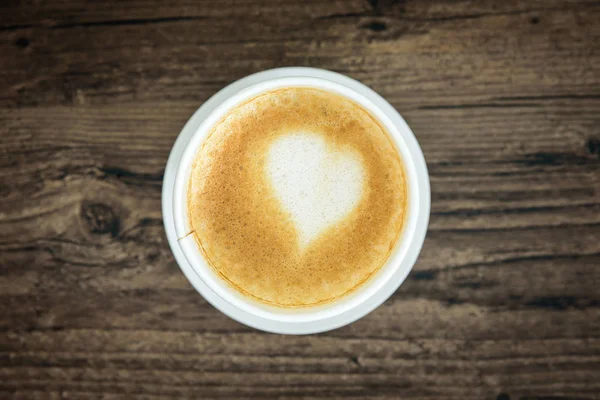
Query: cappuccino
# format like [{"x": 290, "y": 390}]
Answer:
[{"x": 297, "y": 197}]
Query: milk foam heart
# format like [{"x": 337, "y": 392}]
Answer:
[{"x": 316, "y": 184}]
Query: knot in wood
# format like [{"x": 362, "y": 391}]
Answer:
[{"x": 100, "y": 218}]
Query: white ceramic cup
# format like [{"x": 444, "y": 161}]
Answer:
[{"x": 310, "y": 319}]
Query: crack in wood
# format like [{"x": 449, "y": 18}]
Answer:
[{"x": 125, "y": 22}]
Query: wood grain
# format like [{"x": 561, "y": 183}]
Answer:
[{"x": 504, "y": 98}]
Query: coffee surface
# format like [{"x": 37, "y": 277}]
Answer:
[{"x": 297, "y": 197}]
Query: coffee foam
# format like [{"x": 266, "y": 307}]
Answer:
[
  {"x": 296, "y": 197},
  {"x": 317, "y": 185}
]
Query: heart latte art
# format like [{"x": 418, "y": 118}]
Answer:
[
  {"x": 297, "y": 197},
  {"x": 317, "y": 186}
]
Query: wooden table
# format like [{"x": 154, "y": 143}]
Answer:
[{"x": 504, "y": 97}]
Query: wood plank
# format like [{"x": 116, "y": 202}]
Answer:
[
  {"x": 431, "y": 62},
  {"x": 505, "y": 179},
  {"x": 178, "y": 362},
  {"x": 523, "y": 297}
]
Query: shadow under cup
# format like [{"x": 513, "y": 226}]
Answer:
[{"x": 369, "y": 294}]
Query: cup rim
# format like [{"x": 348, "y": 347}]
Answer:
[{"x": 310, "y": 319}]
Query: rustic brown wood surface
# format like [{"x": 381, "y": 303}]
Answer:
[{"x": 504, "y": 97}]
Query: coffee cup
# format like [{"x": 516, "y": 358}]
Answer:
[{"x": 298, "y": 320}]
